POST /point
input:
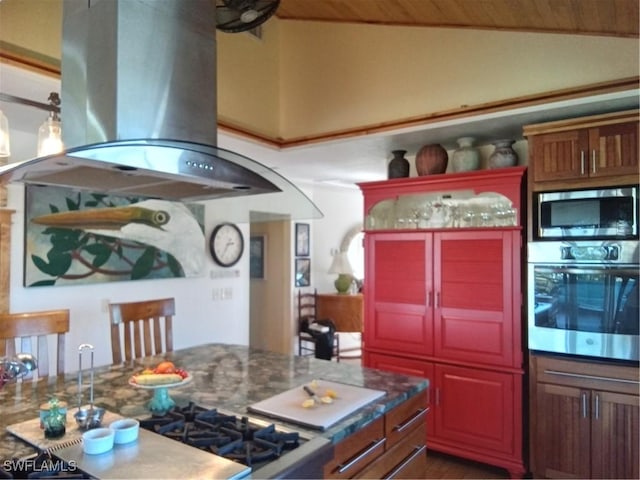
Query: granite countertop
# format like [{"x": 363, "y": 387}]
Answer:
[{"x": 228, "y": 377}]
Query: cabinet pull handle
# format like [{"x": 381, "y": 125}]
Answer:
[
  {"x": 437, "y": 299},
  {"x": 375, "y": 444},
  {"x": 584, "y": 405},
  {"x": 418, "y": 450},
  {"x": 403, "y": 426},
  {"x": 597, "y": 407},
  {"x": 593, "y": 161},
  {"x": 591, "y": 377},
  {"x": 582, "y": 162},
  {"x": 437, "y": 397}
]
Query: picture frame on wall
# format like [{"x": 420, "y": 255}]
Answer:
[
  {"x": 256, "y": 256},
  {"x": 302, "y": 239},
  {"x": 303, "y": 272}
]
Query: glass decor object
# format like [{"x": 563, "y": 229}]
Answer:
[{"x": 55, "y": 422}]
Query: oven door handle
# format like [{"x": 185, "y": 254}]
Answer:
[{"x": 592, "y": 271}]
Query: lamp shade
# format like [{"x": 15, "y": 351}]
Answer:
[
  {"x": 340, "y": 264},
  {"x": 5, "y": 150},
  {"x": 50, "y": 137}
]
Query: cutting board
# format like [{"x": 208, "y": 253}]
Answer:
[{"x": 288, "y": 405}]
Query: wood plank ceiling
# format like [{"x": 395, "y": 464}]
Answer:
[{"x": 589, "y": 17}]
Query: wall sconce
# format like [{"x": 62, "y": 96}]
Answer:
[
  {"x": 50, "y": 132},
  {"x": 342, "y": 267}
]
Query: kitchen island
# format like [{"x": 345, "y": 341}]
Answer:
[{"x": 230, "y": 377}]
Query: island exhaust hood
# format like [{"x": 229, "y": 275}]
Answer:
[{"x": 139, "y": 108}]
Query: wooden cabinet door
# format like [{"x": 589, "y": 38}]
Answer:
[
  {"x": 475, "y": 408},
  {"x": 559, "y": 156},
  {"x": 399, "y": 283},
  {"x": 562, "y": 426},
  {"x": 613, "y": 150},
  {"x": 614, "y": 435},
  {"x": 474, "y": 298}
]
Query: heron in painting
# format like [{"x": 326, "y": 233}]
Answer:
[{"x": 168, "y": 226}]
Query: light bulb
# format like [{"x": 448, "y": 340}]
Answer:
[
  {"x": 50, "y": 137},
  {"x": 5, "y": 150}
]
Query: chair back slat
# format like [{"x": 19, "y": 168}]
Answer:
[
  {"x": 142, "y": 325},
  {"x": 35, "y": 332}
]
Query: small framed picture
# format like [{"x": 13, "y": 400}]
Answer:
[
  {"x": 302, "y": 239},
  {"x": 256, "y": 256},
  {"x": 303, "y": 272}
]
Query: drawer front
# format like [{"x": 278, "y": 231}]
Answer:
[
  {"x": 357, "y": 451},
  {"x": 407, "y": 459},
  {"x": 406, "y": 417},
  {"x": 596, "y": 376}
]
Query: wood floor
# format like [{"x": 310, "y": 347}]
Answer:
[{"x": 440, "y": 465}]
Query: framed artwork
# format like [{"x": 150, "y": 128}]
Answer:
[
  {"x": 74, "y": 238},
  {"x": 256, "y": 256},
  {"x": 303, "y": 272},
  {"x": 302, "y": 239}
]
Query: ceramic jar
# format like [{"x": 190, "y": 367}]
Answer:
[
  {"x": 465, "y": 157},
  {"x": 398, "y": 166},
  {"x": 431, "y": 159},
  {"x": 503, "y": 155}
]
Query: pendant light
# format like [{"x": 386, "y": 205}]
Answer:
[
  {"x": 5, "y": 150},
  {"x": 50, "y": 132}
]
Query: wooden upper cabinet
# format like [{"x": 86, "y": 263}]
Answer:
[{"x": 601, "y": 150}]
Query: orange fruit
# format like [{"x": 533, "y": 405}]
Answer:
[{"x": 165, "y": 367}]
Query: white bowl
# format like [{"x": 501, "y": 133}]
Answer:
[
  {"x": 98, "y": 440},
  {"x": 125, "y": 430}
]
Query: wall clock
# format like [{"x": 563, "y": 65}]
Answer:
[{"x": 226, "y": 244}]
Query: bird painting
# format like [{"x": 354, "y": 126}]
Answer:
[{"x": 110, "y": 241}]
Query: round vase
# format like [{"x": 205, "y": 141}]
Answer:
[
  {"x": 398, "y": 166},
  {"x": 465, "y": 157},
  {"x": 431, "y": 159},
  {"x": 503, "y": 155}
]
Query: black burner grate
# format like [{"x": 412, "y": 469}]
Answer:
[{"x": 229, "y": 436}]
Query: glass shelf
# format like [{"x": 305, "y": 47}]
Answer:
[{"x": 454, "y": 209}]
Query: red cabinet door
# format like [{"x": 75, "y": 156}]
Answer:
[
  {"x": 406, "y": 366},
  {"x": 474, "y": 313},
  {"x": 398, "y": 291},
  {"x": 475, "y": 408}
]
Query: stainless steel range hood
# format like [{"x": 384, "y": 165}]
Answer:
[{"x": 139, "y": 107}]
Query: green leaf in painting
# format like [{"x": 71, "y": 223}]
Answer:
[
  {"x": 174, "y": 266},
  {"x": 43, "y": 283},
  {"x": 100, "y": 252},
  {"x": 144, "y": 265}
]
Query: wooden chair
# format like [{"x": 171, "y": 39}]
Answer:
[
  {"x": 142, "y": 327},
  {"x": 33, "y": 330},
  {"x": 307, "y": 314}
]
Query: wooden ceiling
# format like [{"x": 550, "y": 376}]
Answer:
[{"x": 589, "y": 17}]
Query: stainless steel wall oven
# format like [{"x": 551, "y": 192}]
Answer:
[{"x": 583, "y": 298}]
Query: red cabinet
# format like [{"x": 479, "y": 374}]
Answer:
[{"x": 446, "y": 304}]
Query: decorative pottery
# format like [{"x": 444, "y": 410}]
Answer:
[
  {"x": 431, "y": 159},
  {"x": 465, "y": 157},
  {"x": 398, "y": 166},
  {"x": 503, "y": 155}
]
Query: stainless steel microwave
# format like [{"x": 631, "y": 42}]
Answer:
[{"x": 600, "y": 214}]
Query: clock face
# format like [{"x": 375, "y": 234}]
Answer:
[{"x": 226, "y": 244}]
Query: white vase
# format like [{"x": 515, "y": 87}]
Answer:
[{"x": 466, "y": 157}]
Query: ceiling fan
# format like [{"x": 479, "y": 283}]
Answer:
[{"x": 234, "y": 16}]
